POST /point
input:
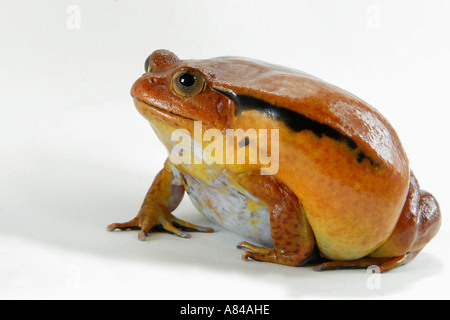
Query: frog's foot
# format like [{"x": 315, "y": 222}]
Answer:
[
  {"x": 257, "y": 253},
  {"x": 169, "y": 224},
  {"x": 273, "y": 255},
  {"x": 384, "y": 264}
]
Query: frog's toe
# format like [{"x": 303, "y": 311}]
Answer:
[
  {"x": 174, "y": 226},
  {"x": 253, "y": 248},
  {"x": 142, "y": 235},
  {"x": 186, "y": 226},
  {"x": 178, "y": 227},
  {"x": 257, "y": 253},
  {"x": 130, "y": 225},
  {"x": 169, "y": 227},
  {"x": 135, "y": 224},
  {"x": 267, "y": 256}
]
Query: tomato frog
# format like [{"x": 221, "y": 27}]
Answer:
[{"x": 342, "y": 195}]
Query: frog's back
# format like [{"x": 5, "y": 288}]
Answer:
[{"x": 313, "y": 99}]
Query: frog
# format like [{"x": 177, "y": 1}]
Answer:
[{"x": 343, "y": 195}]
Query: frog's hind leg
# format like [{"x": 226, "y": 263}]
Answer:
[
  {"x": 291, "y": 233},
  {"x": 417, "y": 225},
  {"x": 384, "y": 264}
]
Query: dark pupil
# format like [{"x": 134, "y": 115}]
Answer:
[{"x": 187, "y": 80}]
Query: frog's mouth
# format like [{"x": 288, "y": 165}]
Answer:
[{"x": 149, "y": 111}]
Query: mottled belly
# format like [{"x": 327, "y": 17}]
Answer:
[{"x": 236, "y": 210}]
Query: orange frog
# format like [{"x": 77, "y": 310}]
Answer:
[{"x": 342, "y": 195}]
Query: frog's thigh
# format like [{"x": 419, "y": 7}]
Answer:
[
  {"x": 417, "y": 224},
  {"x": 291, "y": 233}
]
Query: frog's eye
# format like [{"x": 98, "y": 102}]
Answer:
[
  {"x": 147, "y": 67},
  {"x": 188, "y": 83}
]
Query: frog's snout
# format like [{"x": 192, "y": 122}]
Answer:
[
  {"x": 136, "y": 88},
  {"x": 143, "y": 87}
]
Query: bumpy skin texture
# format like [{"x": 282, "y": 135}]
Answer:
[{"x": 343, "y": 188}]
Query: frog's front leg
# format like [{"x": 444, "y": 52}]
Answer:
[
  {"x": 291, "y": 233},
  {"x": 163, "y": 197}
]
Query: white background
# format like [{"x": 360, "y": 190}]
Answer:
[{"x": 75, "y": 155}]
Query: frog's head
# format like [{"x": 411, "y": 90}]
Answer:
[{"x": 177, "y": 93}]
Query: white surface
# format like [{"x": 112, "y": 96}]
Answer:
[{"x": 76, "y": 155}]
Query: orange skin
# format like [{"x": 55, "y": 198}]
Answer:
[{"x": 352, "y": 201}]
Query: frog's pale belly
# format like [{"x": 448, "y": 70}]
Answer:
[{"x": 221, "y": 202}]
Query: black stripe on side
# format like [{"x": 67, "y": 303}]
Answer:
[{"x": 293, "y": 120}]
